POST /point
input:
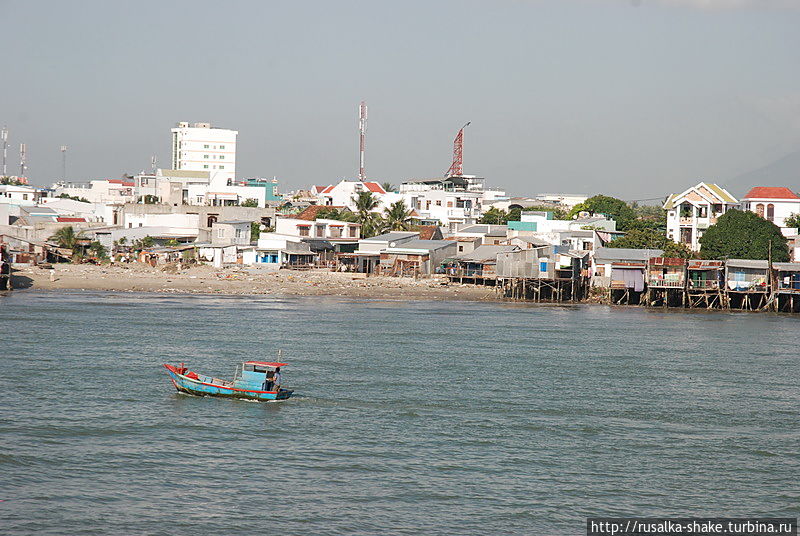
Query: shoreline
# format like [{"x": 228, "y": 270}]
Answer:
[{"x": 239, "y": 281}]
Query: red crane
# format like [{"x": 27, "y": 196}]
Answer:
[{"x": 457, "y": 167}]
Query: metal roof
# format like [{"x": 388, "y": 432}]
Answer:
[
  {"x": 484, "y": 254},
  {"x": 389, "y": 237},
  {"x": 758, "y": 264},
  {"x": 625, "y": 254}
]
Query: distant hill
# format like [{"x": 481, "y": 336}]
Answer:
[{"x": 783, "y": 172}]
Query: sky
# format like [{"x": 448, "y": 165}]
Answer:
[{"x": 632, "y": 98}]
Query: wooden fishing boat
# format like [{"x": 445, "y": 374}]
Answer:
[{"x": 254, "y": 381}]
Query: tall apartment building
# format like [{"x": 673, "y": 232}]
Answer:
[{"x": 202, "y": 147}]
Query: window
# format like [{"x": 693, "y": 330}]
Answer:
[
  {"x": 222, "y": 157},
  {"x": 303, "y": 231},
  {"x": 24, "y": 197},
  {"x": 205, "y": 156},
  {"x": 771, "y": 212},
  {"x": 702, "y": 211},
  {"x": 353, "y": 231},
  {"x": 221, "y": 167},
  {"x": 760, "y": 209},
  {"x": 220, "y": 233},
  {"x": 717, "y": 208},
  {"x": 438, "y": 203},
  {"x": 449, "y": 204},
  {"x": 221, "y": 146},
  {"x": 205, "y": 166},
  {"x": 320, "y": 230},
  {"x": 239, "y": 233},
  {"x": 460, "y": 249}
]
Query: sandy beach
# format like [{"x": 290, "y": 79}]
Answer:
[{"x": 204, "y": 279}]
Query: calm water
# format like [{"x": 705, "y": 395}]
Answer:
[{"x": 438, "y": 418}]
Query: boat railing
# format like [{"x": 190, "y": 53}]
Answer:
[{"x": 237, "y": 373}]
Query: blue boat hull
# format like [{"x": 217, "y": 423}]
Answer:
[{"x": 198, "y": 387}]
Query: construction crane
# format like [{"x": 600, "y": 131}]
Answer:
[{"x": 457, "y": 167}]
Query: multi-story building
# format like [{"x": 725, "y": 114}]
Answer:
[
  {"x": 775, "y": 204},
  {"x": 451, "y": 202},
  {"x": 692, "y": 211},
  {"x": 202, "y": 147}
]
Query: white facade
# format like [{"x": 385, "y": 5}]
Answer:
[
  {"x": 774, "y": 204},
  {"x": 203, "y": 148},
  {"x": 345, "y": 192},
  {"x": 107, "y": 191},
  {"x": 321, "y": 229},
  {"x": 450, "y": 208},
  {"x": 19, "y": 195},
  {"x": 692, "y": 211},
  {"x": 179, "y": 223}
]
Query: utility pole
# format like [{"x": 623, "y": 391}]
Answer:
[
  {"x": 362, "y": 134},
  {"x": 4, "y": 138},
  {"x": 64, "y": 163},
  {"x": 22, "y": 154},
  {"x": 153, "y": 164}
]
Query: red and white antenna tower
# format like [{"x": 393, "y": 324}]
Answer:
[
  {"x": 362, "y": 134},
  {"x": 457, "y": 167}
]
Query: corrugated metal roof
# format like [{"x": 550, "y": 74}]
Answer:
[
  {"x": 747, "y": 263},
  {"x": 484, "y": 254},
  {"x": 787, "y": 266},
  {"x": 605, "y": 255}
]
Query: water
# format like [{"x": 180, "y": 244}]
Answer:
[{"x": 422, "y": 417}]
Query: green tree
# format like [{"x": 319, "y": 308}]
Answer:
[
  {"x": 397, "y": 217},
  {"x": 793, "y": 221},
  {"x": 616, "y": 209},
  {"x": 255, "y": 230},
  {"x": 251, "y": 203},
  {"x": 67, "y": 238},
  {"x": 388, "y": 186},
  {"x": 370, "y": 222},
  {"x": 98, "y": 250},
  {"x": 651, "y": 239},
  {"x": 494, "y": 216},
  {"x": 333, "y": 213},
  {"x": 743, "y": 235}
]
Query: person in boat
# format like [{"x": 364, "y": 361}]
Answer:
[{"x": 277, "y": 378}]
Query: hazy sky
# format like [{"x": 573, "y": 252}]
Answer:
[{"x": 634, "y": 98}]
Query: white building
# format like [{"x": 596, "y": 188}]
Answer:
[
  {"x": 451, "y": 202},
  {"x": 345, "y": 193},
  {"x": 321, "y": 229},
  {"x": 692, "y": 211},
  {"x": 203, "y": 148},
  {"x": 107, "y": 191},
  {"x": 774, "y": 204},
  {"x": 19, "y": 195}
]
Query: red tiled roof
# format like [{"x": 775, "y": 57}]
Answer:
[
  {"x": 311, "y": 212},
  {"x": 771, "y": 192},
  {"x": 375, "y": 187},
  {"x": 318, "y": 189},
  {"x": 328, "y": 189},
  {"x": 67, "y": 219}
]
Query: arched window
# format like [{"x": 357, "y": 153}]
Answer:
[
  {"x": 770, "y": 212},
  {"x": 211, "y": 220},
  {"x": 760, "y": 209}
]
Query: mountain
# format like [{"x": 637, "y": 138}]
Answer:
[{"x": 783, "y": 172}]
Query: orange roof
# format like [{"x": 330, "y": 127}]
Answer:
[
  {"x": 771, "y": 192},
  {"x": 426, "y": 232},
  {"x": 375, "y": 187},
  {"x": 310, "y": 213},
  {"x": 328, "y": 189}
]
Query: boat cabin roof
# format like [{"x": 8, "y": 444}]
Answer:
[{"x": 265, "y": 364}]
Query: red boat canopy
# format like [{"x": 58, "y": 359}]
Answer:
[{"x": 265, "y": 364}]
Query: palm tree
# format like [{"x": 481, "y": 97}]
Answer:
[
  {"x": 366, "y": 203},
  {"x": 397, "y": 217},
  {"x": 388, "y": 186},
  {"x": 66, "y": 237}
]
